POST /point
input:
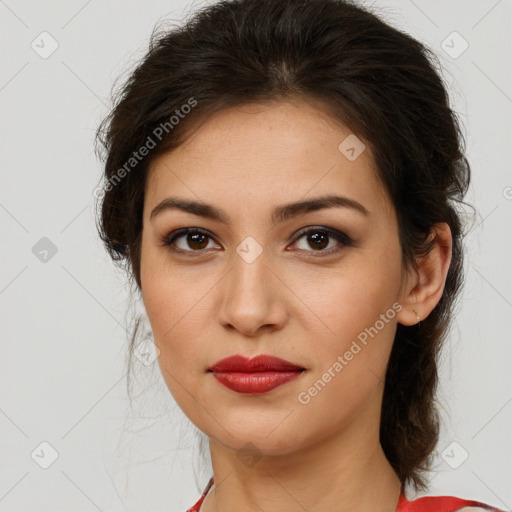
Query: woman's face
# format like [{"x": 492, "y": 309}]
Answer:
[{"x": 256, "y": 284}]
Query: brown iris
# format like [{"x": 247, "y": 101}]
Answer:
[
  {"x": 320, "y": 240},
  {"x": 197, "y": 240}
]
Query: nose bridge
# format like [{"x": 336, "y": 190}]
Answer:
[
  {"x": 248, "y": 283},
  {"x": 249, "y": 297}
]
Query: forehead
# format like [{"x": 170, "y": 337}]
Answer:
[{"x": 268, "y": 153}]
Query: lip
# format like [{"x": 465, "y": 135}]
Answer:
[
  {"x": 261, "y": 363},
  {"x": 258, "y": 375}
]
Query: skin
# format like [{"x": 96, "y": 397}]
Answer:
[{"x": 323, "y": 455}]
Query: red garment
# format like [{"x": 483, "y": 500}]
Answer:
[{"x": 425, "y": 504}]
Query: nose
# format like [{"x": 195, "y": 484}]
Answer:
[{"x": 253, "y": 297}]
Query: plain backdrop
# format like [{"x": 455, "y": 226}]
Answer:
[{"x": 68, "y": 439}]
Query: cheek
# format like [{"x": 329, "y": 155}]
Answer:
[
  {"x": 347, "y": 379},
  {"x": 174, "y": 314},
  {"x": 178, "y": 305},
  {"x": 359, "y": 307},
  {"x": 167, "y": 301},
  {"x": 171, "y": 293},
  {"x": 349, "y": 299}
]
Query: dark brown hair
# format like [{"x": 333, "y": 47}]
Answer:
[{"x": 380, "y": 82}]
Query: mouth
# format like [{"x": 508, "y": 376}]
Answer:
[{"x": 257, "y": 375}]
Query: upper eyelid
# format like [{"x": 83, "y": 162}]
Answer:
[
  {"x": 307, "y": 229},
  {"x": 340, "y": 236},
  {"x": 174, "y": 235}
]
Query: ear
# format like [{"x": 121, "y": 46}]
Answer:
[{"x": 423, "y": 289}]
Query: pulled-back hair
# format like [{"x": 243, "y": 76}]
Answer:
[{"x": 384, "y": 85}]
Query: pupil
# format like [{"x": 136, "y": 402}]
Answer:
[
  {"x": 193, "y": 240},
  {"x": 315, "y": 238}
]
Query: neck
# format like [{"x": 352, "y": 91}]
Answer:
[{"x": 345, "y": 472}]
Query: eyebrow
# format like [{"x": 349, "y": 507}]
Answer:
[{"x": 279, "y": 214}]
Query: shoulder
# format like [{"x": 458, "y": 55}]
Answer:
[
  {"x": 474, "y": 509},
  {"x": 197, "y": 505},
  {"x": 444, "y": 504},
  {"x": 199, "y": 502}
]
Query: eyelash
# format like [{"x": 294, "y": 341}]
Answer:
[{"x": 344, "y": 240}]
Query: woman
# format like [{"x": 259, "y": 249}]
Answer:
[{"x": 282, "y": 178}]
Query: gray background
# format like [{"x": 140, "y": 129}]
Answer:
[{"x": 62, "y": 368}]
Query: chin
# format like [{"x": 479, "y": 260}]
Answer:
[{"x": 252, "y": 441}]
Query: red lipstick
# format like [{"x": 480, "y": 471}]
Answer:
[{"x": 259, "y": 374}]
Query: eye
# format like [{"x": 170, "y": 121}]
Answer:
[
  {"x": 194, "y": 238},
  {"x": 318, "y": 238}
]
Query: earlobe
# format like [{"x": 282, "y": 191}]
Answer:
[{"x": 425, "y": 293}]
